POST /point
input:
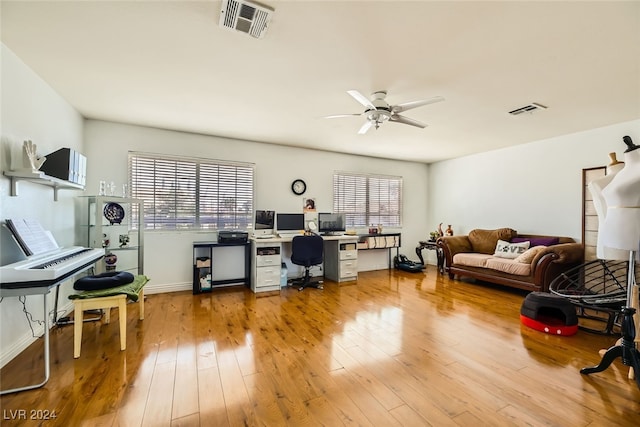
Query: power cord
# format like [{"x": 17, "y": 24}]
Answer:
[{"x": 29, "y": 316}]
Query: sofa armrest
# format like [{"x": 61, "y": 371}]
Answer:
[
  {"x": 563, "y": 253},
  {"x": 553, "y": 261},
  {"x": 452, "y": 245}
]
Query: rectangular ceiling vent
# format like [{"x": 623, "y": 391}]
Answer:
[
  {"x": 245, "y": 16},
  {"x": 528, "y": 109}
]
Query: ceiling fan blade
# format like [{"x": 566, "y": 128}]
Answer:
[
  {"x": 361, "y": 99},
  {"x": 335, "y": 116},
  {"x": 365, "y": 127},
  {"x": 407, "y": 121},
  {"x": 414, "y": 104}
]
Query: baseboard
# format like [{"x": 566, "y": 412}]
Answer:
[
  {"x": 20, "y": 345},
  {"x": 167, "y": 287}
]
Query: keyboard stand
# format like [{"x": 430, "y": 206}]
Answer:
[
  {"x": 34, "y": 291},
  {"x": 39, "y": 290}
]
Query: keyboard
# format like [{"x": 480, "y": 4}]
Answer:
[
  {"x": 289, "y": 235},
  {"x": 266, "y": 236},
  {"x": 41, "y": 270}
]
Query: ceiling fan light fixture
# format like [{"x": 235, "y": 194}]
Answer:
[
  {"x": 377, "y": 110},
  {"x": 378, "y": 116}
]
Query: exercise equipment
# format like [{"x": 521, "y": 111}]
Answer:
[{"x": 549, "y": 313}]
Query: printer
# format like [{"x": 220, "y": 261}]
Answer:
[{"x": 233, "y": 236}]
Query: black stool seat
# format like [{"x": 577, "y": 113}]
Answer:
[{"x": 107, "y": 280}]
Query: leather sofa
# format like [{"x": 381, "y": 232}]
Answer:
[{"x": 481, "y": 255}]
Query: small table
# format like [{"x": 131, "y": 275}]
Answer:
[{"x": 431, "y": 245}]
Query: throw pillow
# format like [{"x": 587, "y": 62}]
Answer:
[
  {"x": 527, "y": 256},
  {"x": 509, "y": 250}
]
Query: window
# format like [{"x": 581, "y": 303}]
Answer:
[
  {"x": 590, "y": 222},
  {"x": 368, "y": 199},
  {"x": 182, "y": 193}
]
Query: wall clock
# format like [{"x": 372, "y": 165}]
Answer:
[{"x": 298, "y": 187}]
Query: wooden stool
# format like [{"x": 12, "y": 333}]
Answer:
[{"x": 106, "y": 303}]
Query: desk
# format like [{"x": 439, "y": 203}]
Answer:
[
  {"x": 340, "y": 260},
  {"x": 203, "y": 274},
  {"x": 432, "y": 246}
]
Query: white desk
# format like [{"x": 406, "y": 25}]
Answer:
[{"x": 340, "y": 260}]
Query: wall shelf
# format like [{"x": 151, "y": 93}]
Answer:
[{"x": 42, "y": 179}]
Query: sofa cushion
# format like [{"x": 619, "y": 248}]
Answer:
[
  {"x": 509, "y": 250},
  {"x": 471, "y": 259},
  {"x": 529, "y": 254},
  {"x": 484, "y": 241},
  {"x": 509, "y": 266},
  {"x": 537, "y": 241}
]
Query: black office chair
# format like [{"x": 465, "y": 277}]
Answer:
[{"x": 307, "y": 251}]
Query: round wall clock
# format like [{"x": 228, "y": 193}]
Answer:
[{"x": 298, "y": 187}]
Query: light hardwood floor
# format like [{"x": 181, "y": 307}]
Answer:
[{"x": 394, "y": 349}]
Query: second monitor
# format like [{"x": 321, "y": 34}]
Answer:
[
  {"x": 331, "y": 223},
  {"x": 290, "y": 222}
]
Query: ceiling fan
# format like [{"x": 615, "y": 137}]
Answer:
[{"x": 379, "y": 111}]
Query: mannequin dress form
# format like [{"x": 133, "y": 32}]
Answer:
[
  {"x": 621, "y": 225},
  {"x": 621, "y": 231},
  {"x": 600, "y": 205}
]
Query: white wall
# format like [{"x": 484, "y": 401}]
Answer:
[
  {"x": 533, "y": 188},
  {"x": 32, "y": 110},
  {"x": 168, "y": 255}
]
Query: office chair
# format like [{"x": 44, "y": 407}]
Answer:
[{"x": 307, "y": 251}]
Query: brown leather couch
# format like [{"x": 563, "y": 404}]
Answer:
[{"x": 473, "y": 256}]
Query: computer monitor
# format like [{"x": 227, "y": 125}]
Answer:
[
  {"x": 331, "y": 223},
  {"x": 290, "y": 222},
  {"x": 265, "y": 223}
]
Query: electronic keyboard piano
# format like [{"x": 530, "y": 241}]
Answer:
[{"x": 48, "y": 268}]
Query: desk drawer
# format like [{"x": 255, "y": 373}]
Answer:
[
  {"x": 267, "y": 260},
  {"x": 349, "y": 254},
  {"x": 348, "y": 268},
  {"x": 268, "y": 276}
]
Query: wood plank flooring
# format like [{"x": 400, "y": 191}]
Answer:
[{"x": 396, "y": 348}]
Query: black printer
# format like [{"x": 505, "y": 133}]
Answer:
[{"x": 233, "y": 236}]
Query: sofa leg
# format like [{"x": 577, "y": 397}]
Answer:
[{"x": 451, "y": 276}]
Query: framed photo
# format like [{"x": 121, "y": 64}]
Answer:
[{"x": 309, "y": 205}]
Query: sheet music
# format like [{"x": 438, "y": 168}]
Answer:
[{"x": 31, "y": 236}]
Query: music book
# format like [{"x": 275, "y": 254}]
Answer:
[{"x": 32, "y": 238}]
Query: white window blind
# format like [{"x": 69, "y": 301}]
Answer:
[
  {"x": 368, "y": 199},
  {"x": 183, "y": 193}
]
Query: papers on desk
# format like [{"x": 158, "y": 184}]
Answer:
[{"x": 32, "y": 238}]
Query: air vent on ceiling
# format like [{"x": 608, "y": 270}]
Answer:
[
  {"x": 245, "y": 16},
  {"x": 528, "y": 109}
]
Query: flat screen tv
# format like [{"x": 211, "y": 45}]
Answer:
[
  {"x": 265, "y": 223},
  {"x": 331, "y": 223},
  {"x": 290, "y": 222}
]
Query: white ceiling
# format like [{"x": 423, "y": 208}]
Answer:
[{"x": 169, "y": 64}]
